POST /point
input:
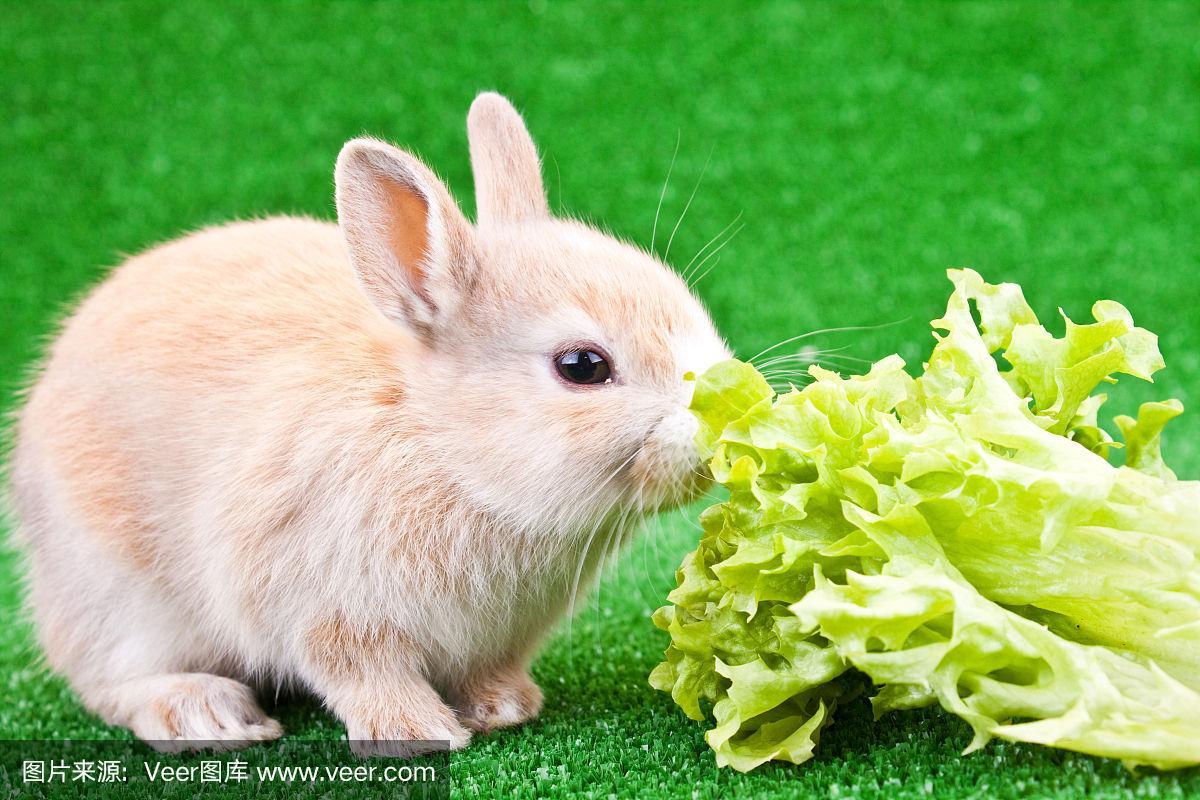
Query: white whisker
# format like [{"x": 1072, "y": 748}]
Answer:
[
  {"x": 777, "y": 345},
  {"x": 804, "y": 353},
  {"x": 583, "y": 555},
  {"x": 663, "y": 193},
  {"x": 678, "y": 222},
  {"x": 687, "y": 271}
]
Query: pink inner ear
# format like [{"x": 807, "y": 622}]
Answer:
[{"x": 407, "y": 220}]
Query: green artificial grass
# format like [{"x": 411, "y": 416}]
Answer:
[{"x": 866, "y": 147}]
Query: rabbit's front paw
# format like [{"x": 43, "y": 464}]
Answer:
[
  {"x": 189, "y": 711},
  {"x": 406, "y": 732},
  {"x": 499, "y": 700}
]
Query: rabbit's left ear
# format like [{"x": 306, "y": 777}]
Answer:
[
  {"x": 413, "y": 250},
  {"x": 508, "y": 175}
]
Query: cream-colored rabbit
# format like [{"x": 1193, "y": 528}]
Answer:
[{"x": 373, "y": 458}]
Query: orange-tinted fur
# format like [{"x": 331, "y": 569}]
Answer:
[{"x": 340, "y": 455}]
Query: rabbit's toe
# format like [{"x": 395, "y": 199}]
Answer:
[{"x": 499, "y": 701}]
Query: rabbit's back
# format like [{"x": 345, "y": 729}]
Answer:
[
  {"x": 198, "y": 371},
  {"x": 202, "y": 307}
]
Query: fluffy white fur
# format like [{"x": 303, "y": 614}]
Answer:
[{"x": 340, "y": 455}]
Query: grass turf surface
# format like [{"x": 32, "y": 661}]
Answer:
[{"x": 867, "y": 148}]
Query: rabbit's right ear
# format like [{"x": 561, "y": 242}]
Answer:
[
  {"x": 508, "y": 174},
  {"x": 412, "y": 248}
]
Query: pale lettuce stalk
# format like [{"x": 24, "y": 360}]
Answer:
[{"x": 959, "y": 538}]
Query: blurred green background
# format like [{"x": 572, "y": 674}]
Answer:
[{"x": 867, "y": 147}]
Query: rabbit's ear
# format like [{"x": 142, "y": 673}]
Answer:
[
  {"x": 508, "y": 176},
  {"x": 412, "y": 248}
]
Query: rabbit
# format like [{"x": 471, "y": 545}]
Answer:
[{"x": 376, "y": 459}]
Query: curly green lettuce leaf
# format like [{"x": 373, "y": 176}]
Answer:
[
  {"x": 958, "y": 537},
  {"x": 922, "y": 631},
  {"x": 1056, "y": 375},
  {"x": 1143, "y": 437}
]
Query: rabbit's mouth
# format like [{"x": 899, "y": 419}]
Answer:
[
  {"x": 668, "y": 471},
  {"x": 688, "y": 488},
  {"x": 663, "y": 494}
]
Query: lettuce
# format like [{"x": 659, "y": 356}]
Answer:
[{"x": 958, "y": 538}]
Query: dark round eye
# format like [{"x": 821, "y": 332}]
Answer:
[{"x": 583, "y": 366}]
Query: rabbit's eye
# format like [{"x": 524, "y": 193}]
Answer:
[{"x": 583, "y": 366}]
